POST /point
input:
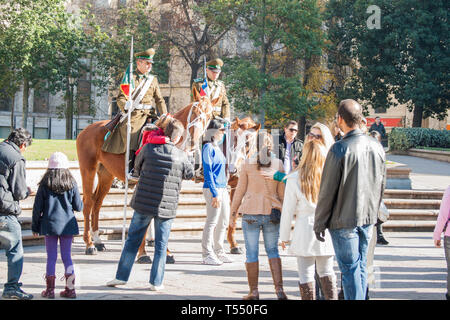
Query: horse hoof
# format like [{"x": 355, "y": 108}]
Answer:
[
  {"x": 236, "y": 250},
  {"x": 170, "y": 260},
  {"x": 91, "y": 251},
  {"x": 100, "y": 247},
  {"x": 144, "y": 260}
]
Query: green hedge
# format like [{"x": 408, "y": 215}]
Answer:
[{"x": 406, "y": 138}]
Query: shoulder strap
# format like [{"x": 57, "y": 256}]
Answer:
[{"x": 144, "y": 90}]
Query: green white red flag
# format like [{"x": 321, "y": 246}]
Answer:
[{"x": 127, "y": 84}]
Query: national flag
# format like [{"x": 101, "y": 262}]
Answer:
[
  {"x": 204, "y": 88},
  {"x": 127, "y": 84}
]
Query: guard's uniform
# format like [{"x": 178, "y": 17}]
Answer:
[
  {"x": 116, "y": 142},
  {"x": 216, "y": 89}
]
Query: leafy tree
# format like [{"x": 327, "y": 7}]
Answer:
[
  {"x": 24, "y": 25},
  {"x": 406, "y": 61},
  {"x": 280, "y": 31}
]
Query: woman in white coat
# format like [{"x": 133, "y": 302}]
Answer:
[{"x": 302, "y": 190}]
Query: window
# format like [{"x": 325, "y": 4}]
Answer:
[
  {"x": 41, "y": 101},
  {"x": 166, "y": 100},
  {"x": 380, "y": 110},
  {"x": 5, "y": 102},
  {"x": 165, "y": 21},
  {"x": 83, "y": 98}
]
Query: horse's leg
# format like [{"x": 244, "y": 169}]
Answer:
[
  {"x": 88, "y": 176},
  {"x": 234, "y": 246},
  {"x": 105, "y": 180}
]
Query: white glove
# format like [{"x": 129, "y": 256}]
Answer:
[{"x": 128, "y": 105}]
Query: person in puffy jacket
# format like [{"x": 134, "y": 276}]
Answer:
[{"x": 161, "y": 168}]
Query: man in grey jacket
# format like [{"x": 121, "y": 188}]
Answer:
[
  {"x": 161, "y": 170},
  {"x": 13, "y": 187},
  {"x": 351, "y": 189}
]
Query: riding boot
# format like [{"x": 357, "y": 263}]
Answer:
[
  {"x": 252, "y": 277},
  {"x": 329, "y": 287},
  {"x": 380, "y": 235},
  {"x": 69, "y": 291},
  {"x": 49, "y": 292},
  {"x": 307, "y": 290},
  {"x": 277, "y": 276}
]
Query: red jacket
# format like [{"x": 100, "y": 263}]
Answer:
[{"x": 155, "y": 136}]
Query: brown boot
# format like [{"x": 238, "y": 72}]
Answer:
[
  {"x": 329, "y": 288},
  {"x": 252, "y": 277},
  {"x": 69, "y": 291},
  {"x": 50, "y": 291},
  {"x": 277, "y": 276},
  {"x": 307, "y": 291}
]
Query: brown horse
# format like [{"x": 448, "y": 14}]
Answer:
[
  {"x": 243, "y": 138},
  {"x": 92, "y": 160}
]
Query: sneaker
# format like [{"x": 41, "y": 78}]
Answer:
[
  {"x": 115, "y": 282},
  {"x": 156, "y": 288},
  {"x": 16, "y": 293},
  {"x": 224, "y": 258},
  {"x": 212, "y": 261}
]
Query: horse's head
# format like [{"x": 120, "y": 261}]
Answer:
[
  {"x": 198, "y": 119},
  {"x": 242, "y": 141}
]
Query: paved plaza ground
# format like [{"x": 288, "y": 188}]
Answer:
[{"x": 409, "y": 268}]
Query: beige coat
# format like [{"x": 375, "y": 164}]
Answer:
[{"x": 255, "y": 194}]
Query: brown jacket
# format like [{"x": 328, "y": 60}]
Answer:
[{"x": 254, "y": 193}]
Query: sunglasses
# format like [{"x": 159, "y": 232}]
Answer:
[
  {"x": 293, "y": 130},
  {"x": 314, "y": 136}
]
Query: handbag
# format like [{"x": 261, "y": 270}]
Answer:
[
  {"x": 275, "y": 216},
  {"x": 383, "y": 213}
]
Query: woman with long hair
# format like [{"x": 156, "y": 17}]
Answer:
[
  {"x": 259, "y": 201},
  {"x": 300, "y": 199}
]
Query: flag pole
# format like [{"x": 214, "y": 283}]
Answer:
[{"x": 127, "y": 153}]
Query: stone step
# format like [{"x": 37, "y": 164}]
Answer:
[
  {"x": 412, "y": 203},
  {"x": 413, "y": 214},
  {"x": 179, "y": 229},
  {"x": 413, "y": 194},
  {"x": 409, "y": 225}
]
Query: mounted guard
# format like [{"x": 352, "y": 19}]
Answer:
[{"x": 146, "y": 90}]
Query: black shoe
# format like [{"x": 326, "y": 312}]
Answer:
[
  {"x": 16, "y": 293},
  {"x": 382, "y": 240},
  {"x": 170, "y": 259}
]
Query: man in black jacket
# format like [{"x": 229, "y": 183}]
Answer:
[
  {"x": 351, "y": 190},
  {"x": 161, "y": 169},
  {"x": 13, "y": 187},
  {"x": 289, "y": 146}
]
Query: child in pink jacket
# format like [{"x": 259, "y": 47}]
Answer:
[{"x": 442, "y": 225}]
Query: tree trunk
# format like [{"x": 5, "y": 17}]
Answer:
[
  {"x": 26, "y": 93},
  {"x": 194, "y": 71},
  {"x": 69, "y": 115},
  {"x": 302, "y": 128},
  {"x": 417, "y": 118},
  {"x": 12, "y": 111}
]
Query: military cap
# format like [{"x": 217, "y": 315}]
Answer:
[
  {"x": 214, "y": 64},
  {"x": 147, "y": 54}
]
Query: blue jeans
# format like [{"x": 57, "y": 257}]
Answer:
[
  {"x": 136, "y": 232},
  {"x": 350, "y": 246},
  {"x": 11, "y": 241},
  {"x": 251, "y": 226}
]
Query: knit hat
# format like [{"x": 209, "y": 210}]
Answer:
[{"x": 58, "y": 160}]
